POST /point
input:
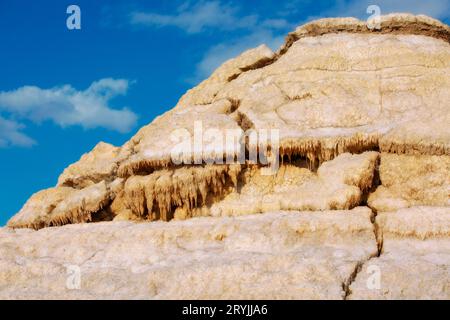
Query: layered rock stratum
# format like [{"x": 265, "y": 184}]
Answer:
[{"x": 358, "y": 206}]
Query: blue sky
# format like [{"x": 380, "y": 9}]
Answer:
[{"x": 62, "y": 91}]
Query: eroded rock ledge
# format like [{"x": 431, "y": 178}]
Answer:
[{"x": 389, "y": 24}]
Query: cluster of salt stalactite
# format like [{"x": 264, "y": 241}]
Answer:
[{"x": 165, "y": 193}]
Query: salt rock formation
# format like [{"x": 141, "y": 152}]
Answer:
[{"x": 358, "y": 208}]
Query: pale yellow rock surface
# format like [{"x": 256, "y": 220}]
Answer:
[
  {"x": 414, "y": 180},
  {"x": 80, "y": 205},
  {"x": 152, "y": 146},
  {"x": 61, "y": 205},
  {"x": 415, "y": 260},
  {"x": 205, "y": 92},
  {"x": 363, "y": 119},
  {"x": 36, "y": 210},
  {"x": 291, "y": 255},
  {"x": 352, "y": 94},
  {"x": 98, "y": 165},
  {"x": 396, "y": 23},
  {"x": 338, "y": 184}
]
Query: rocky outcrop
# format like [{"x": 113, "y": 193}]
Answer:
[{"x": 356, "y": 175}]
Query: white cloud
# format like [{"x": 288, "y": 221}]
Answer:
[
  {"x": 203, "y": 15},
  {"x": 67, "y": 106},
  {"x": 10, "y": 134}
]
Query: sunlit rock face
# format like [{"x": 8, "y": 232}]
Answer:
[{"x": 357, "y": 205}]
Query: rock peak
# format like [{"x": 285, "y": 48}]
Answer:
[{"x": 395, "y": 23}]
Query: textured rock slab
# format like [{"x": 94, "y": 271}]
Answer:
[
  {"x": 35, "y": 212},
  {"x": 397, "y": 23},
  {"x": 206, "y": 91},
  {"x": 415, "y": 260},
  {"x": 354, "y": 91},
  {"x": 277, "y": 255},
  {"x": 338, "y": 184},
  {"x": 408, "y": 181},
  {"x": 61, "y": 205},
  {"x": 93, "y": 167},
  {"x": 155, "y": 145},
  {"x": 198, "y": 190}
]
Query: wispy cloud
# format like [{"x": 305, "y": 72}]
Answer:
[
  {"x": 216, "y": 15},
  {"x": 197, "y": 18},
  {"x": 65, "y": 106},
  {"x": 11, "y": 135},
  {"x": 205, "y": 16}
]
